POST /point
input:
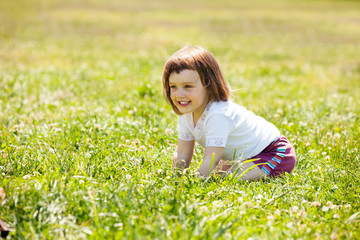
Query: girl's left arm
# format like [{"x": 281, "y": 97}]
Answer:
[
  {"x": 183, "y": 155},
  {"x": 211, "y": 159}
]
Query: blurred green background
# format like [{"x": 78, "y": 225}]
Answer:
[{"x": 86, "y": 137}]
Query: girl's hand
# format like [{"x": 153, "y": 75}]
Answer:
[
  {"x": 223, "y": 167},
  {"x": 183, "y": 155},
  {"x": 211, "y": 159},
  {"x": 179, "y": 164}
]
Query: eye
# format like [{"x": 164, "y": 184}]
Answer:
[
  {"x": 188, "y": 86},
  {"x": 172, "y": 86}
]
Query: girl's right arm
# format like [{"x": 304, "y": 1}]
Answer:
[{"x": 183, "y": 154}]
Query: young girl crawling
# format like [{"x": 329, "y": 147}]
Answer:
[{"x": 197, "y": 91}]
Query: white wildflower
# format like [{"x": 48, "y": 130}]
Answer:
[
  {"x": 303, "y": 213},
  {"x": 210, "y": 194},
  {"x": 26, "y": 177},
  {"x": 315, "y": 204},
  {"x": 277, "y": 212},
  {"x": 258, "y": 197},
  {"x": 294, "y": 209},
  {"x": 325, "y": 208},
  {"x": 203, "y": 209}
]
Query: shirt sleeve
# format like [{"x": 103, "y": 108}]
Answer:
[
  {"x": 184, "y": 132},
  {"x": 218, "y": 128}
]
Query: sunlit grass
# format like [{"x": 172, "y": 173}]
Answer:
[{"x": 86, "y": 138}]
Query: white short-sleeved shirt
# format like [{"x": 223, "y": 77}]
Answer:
[{"x": 227, "y": 124}]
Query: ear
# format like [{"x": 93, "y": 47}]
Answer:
[{"x": 209, "y": 95}]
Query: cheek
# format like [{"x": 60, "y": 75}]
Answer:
[
  {"x": 205, "y": 93},
  {"x": 172, "y": 97}
]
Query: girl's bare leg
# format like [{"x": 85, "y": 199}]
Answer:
[{"x": 255, "y": 173}]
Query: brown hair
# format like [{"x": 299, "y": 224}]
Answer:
[{"x": 201, "y": 60}]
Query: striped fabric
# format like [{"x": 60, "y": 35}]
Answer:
[{"x": 271, "y": 164}]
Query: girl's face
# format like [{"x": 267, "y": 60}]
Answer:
[{"x": 187, "y": 92}]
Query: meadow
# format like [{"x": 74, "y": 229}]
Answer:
[{"x": 86, "y": 137}]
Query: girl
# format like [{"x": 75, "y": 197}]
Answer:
[{"x": 197, "y": 91}]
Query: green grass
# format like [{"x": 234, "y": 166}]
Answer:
[{"x": 86, "y": 138}]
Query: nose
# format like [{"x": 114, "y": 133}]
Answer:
[{"x": 179, "y": 93}]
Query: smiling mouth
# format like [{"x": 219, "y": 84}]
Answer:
[{"x": 183, "y": 103}]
